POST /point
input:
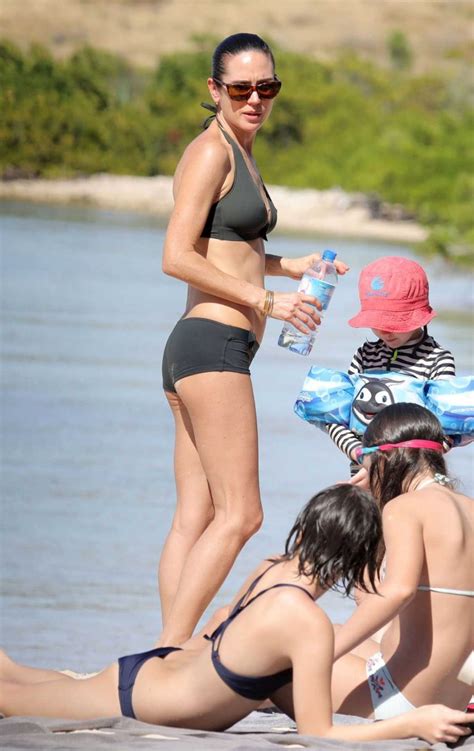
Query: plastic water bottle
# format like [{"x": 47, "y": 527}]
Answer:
[{"x": 319, "y": 281}]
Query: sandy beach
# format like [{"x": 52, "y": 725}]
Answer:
[
  {"x": 260, "y": 730},
  {"x": 328, "y": 212}
]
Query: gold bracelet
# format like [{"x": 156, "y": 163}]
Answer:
[{"x": 268, "y": 304}]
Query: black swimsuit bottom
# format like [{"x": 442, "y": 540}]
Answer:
[
  {"x": 201, "y": 345},
  {"x": 128, "y": 669}
]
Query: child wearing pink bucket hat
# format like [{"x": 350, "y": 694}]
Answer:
[
  {"x": 394, "y": 296},
  {"x": 394, "y": 303}
]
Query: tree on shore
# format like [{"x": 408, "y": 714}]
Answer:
[{"x": 402, "y": 138}]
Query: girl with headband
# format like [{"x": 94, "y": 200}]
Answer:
[
  {"x": 274, "y": 642},
  {"x": 425, "y": 598}
]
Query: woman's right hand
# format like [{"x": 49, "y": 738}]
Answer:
[
  {"x": 297, "y": 308},
  {"x": 436, "y": 723}
]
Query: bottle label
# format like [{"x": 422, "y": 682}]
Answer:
[{"x": 317, "y": 288}]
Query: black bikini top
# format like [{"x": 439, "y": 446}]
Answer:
[
  {"x": 241, "y": 214},
  {"x": 249, "y": 686}
]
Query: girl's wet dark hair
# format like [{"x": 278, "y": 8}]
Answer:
[
  {"x": 337, "y": 537},
  {"x": 234, "y": 45},
  {"x": 391, "y": 472}
]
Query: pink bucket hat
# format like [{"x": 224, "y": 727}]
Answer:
[{"x": 393, "y": 294}]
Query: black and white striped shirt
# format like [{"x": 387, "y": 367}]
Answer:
[{"x": 423, "y": 359}]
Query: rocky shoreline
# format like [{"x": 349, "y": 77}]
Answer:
[{"x": 329, "y": 212}]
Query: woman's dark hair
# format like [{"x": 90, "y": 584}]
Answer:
[
  {"x": 391, "y": 472},
  {"x": 337, "y": 537},
  {"x": 234, "y": 45}
]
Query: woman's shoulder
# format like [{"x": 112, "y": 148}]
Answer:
[
  {"x": 408, "y": 502},
  {"x": 403, "y": 506},
  {"x": 413, "y": 502},
  {"x": 296, "y": 604},
  {"x": 206, "y": 155},
  {"x": 300, "y": 621},
  {"x": 208, "y": 146}
]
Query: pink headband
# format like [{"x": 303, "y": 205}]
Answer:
[{"x": 416, "y": 443}]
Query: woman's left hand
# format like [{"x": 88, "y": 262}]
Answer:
[{"x": 295, "y": 267}]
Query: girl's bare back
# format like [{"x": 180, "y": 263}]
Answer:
[{"x": 431, "y": 639}]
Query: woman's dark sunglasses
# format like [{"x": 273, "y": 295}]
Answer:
[{"x": 240, "y": 92}]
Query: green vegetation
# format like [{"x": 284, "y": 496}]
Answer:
[
  {"x": 399, "y": 50},
  {"x": 402, "y": 138}
]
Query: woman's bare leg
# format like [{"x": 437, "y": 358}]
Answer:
[
  {"x": 15, "y": 673},
  {"x": 194, "y": 507},
  {"x": 222, "y": 412},
  {"x": 350, "y": 690},
  {"x": 65, "y": 697}
]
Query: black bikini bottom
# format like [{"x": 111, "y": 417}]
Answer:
[
  {"x": 128, "y": 669},
  {"x": 201, "y": 345}
]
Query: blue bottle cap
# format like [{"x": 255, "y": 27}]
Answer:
[{"x": 329, "y": 255}]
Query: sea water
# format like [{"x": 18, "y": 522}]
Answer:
[{"x": 87, "y": 441}]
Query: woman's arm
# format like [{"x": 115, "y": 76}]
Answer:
[
  {"x": 295, "y": 267},
  {"x": 434, "y": 723},
  {"x": 403, "y": 535},
  {"x": 201, "y": 179},
  {"x": 312, "y": 647}
]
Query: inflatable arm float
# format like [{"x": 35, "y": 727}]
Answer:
[{"x": 332, "y": 396}]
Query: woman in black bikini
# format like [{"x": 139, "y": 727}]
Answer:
[
  {"x": 274, "y": 643},
  {"x": 215, "y": 243}
]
